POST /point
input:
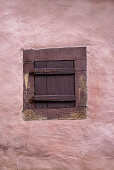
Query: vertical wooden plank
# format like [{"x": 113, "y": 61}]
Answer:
[
  {"x": 60, "y": 84},
  {"x": 40, "y": 84}
]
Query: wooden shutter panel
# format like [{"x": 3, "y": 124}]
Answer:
[{"x": 56, "y": 88}]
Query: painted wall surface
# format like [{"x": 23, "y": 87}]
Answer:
[{"x": 57, "y": 145}]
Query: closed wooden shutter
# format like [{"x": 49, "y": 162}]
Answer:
[{"x": 54, "y": 84}]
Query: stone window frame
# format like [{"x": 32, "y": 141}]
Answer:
[{"x": 78, "y": 55}]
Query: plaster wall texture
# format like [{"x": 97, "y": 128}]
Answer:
[{"x": 62, "y": 144}]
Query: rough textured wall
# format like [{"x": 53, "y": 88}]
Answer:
[{"x": 57, "y": 145}]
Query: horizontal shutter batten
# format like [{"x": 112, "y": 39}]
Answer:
[
  {"x": 53, "y": 98},
  {"x": 53, "y": 71}
]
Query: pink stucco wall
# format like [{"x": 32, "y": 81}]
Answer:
[{"x": 57, "y": 145}]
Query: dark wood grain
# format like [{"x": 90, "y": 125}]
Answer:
[
  {"x": 66, "y": 64},
  {"x": 54, "y": 98},
  {"x": 54, "y": 78},
  {"x": 61, "y": 84},
  {"x": 61, "y": 104},
  {"x": 53, "y": 71},
  {"x": 40, "y": 84}
]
